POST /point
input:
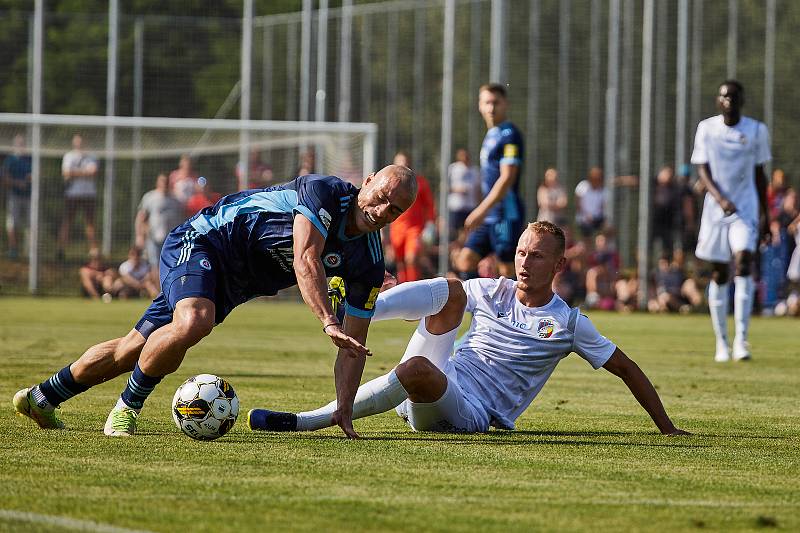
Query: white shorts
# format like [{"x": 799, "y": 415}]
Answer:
[
  {"x": 452, "y": 413},
  {"x": 719, "y": 240}
]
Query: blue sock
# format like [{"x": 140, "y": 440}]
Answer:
[
  {"x": 139, "y": 387},
  {"x": 59, "y": 388}
]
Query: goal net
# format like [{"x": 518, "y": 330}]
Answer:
[{"x": 50, "y": 226}]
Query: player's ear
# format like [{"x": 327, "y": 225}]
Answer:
[{"x": 368, "y": 179}]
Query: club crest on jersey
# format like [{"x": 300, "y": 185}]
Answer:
[
  {"x": 325, "y": 217},
  {"x": 205, "y": 263},
  {"x": 546, "y": 328},
  {"x": 332, "y": 260}
]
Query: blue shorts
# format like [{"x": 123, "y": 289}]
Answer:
[
  {"x": 189, "y": 269},
  {"x": 499, "y": 237}
]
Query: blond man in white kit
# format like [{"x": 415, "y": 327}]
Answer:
[
  {"x": 520, "y": 330},
  {"x": 730, "y": 151}
]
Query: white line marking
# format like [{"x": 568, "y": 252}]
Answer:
[{"x": 64, "y": 522}]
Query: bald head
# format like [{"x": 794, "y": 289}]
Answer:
[{"x": 384, "y": 197}]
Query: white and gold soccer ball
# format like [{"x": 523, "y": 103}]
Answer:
[{"x": 205, "y": 407}]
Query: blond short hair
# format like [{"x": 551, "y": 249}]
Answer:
[{"x": 542, "y": 227}]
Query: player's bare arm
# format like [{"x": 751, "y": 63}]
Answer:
[
  {"x": 704, "y": 171},
  {"x": 347, "y": 375},
  {"x": 508, "y": 176},
  {"x": 308, "y": 246},
  {"x": 628, "y": 371}
]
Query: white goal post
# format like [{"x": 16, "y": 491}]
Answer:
[{"x": 124, "y": 146}]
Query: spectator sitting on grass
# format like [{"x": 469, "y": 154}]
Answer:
[
  {"x": 134, "y": 280},
  {"x": 97, "y": 279}
]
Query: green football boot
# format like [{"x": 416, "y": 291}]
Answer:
[
  {"x": 24, "y": 405},
  {"x": 121, "y": 422}
]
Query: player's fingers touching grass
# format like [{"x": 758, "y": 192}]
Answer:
[{"x": 342, "y": 340}]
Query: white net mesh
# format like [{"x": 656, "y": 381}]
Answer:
[{"x": 130, "y": 152}]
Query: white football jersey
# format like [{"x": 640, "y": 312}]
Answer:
[
  {"x": 511, "y": 349},
  {"x": 732, "y": 153}
]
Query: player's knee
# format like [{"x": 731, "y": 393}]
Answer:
[
  {"x": 744, "y": 260},
  {"x": 456, "y": 300},
  {"x": 719, "y": 273},
  {"x": 193, "y": 324},
  {"x": 415, "y": 372}
]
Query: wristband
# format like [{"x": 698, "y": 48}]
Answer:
[{"x": 326, "y": 326}]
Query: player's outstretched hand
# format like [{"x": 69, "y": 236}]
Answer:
[
  {"x": 473, "y": 220},
  {"x": 345, "y": 421},
  {"x": 343, "y": 340}
]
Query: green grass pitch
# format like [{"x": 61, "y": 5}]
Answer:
[{"x": 585, "y": 456}]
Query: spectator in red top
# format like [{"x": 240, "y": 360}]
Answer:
[
  {"x": 260, "y": 174},
  {"x": 405, "y": 233},
  {"x": 775, "y": 192},
  {"x": 182, "y": 180},
  {"x": 202, "y": 197}
]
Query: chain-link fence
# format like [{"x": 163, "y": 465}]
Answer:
[{"x": 573, "y": 70}]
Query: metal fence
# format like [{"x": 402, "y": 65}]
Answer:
[{"x": 619, "y": 84}]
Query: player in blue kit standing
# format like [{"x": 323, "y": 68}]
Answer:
[
  {"x": 495, "y": 225},
  {"x": 248, "y": 244}
]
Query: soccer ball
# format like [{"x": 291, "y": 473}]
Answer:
[{"x": 205, "y": 407}]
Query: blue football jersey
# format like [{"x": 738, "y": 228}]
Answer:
[
  {"x": 251, "y": 233},
  {"x": 502, "y": 146}
]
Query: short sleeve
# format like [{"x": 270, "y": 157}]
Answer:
[
  {"x": 764, "y": 153},
  {"x": 66, "y": 162},
  {"x": 699, "y": 154},
  {"x": 511, "y": 147},
  {"x": 476, "y": 289},
  {"x": 581, "y": 188},
  {"x": 319, "y": 201},
  {"x": 590, "y": 345}
]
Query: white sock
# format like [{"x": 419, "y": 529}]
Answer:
[
  {"x": 412, "y": 300},
  {"x": 718, "y": 306},
  {"x": 377, "y": 396},
  {"x": 436, "y": 348},
  {"x": 742, "y": 305},
  {"x": 122, "y": 405}
]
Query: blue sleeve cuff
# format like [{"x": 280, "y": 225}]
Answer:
[
  {"x": 306, "y": 212},
  {"x": 511, "y": 161},
  {"x": 355, "y": 311}
]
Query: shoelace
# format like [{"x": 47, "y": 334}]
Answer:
[{"x": 122, "y": 420}]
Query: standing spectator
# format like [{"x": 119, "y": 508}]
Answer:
[
  {"x": 464, "y": 180},
  {"x": 552, "y": 199},
  {"x": 158, "y": 213},
  {"x": 97, "y": 279},
  {"x": 79, "y": 170},
  {"x": 183, "y": 179},
  {"x": 405, "y": 233},
  {"x": 730, "y": 151},
  {"x": 204, "y": 196},
  {"x": 260, "y": 174},
  {"x": 496, "y": 224},
  {"x": 308, "y": 163},
  {"x": 590, "y": 203},
  {"x": 666, "y": 208},
  {"x": 776, "y": 192},
  {"x": 16, "y": 175},
  {"x": 134, "y": 278}
]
